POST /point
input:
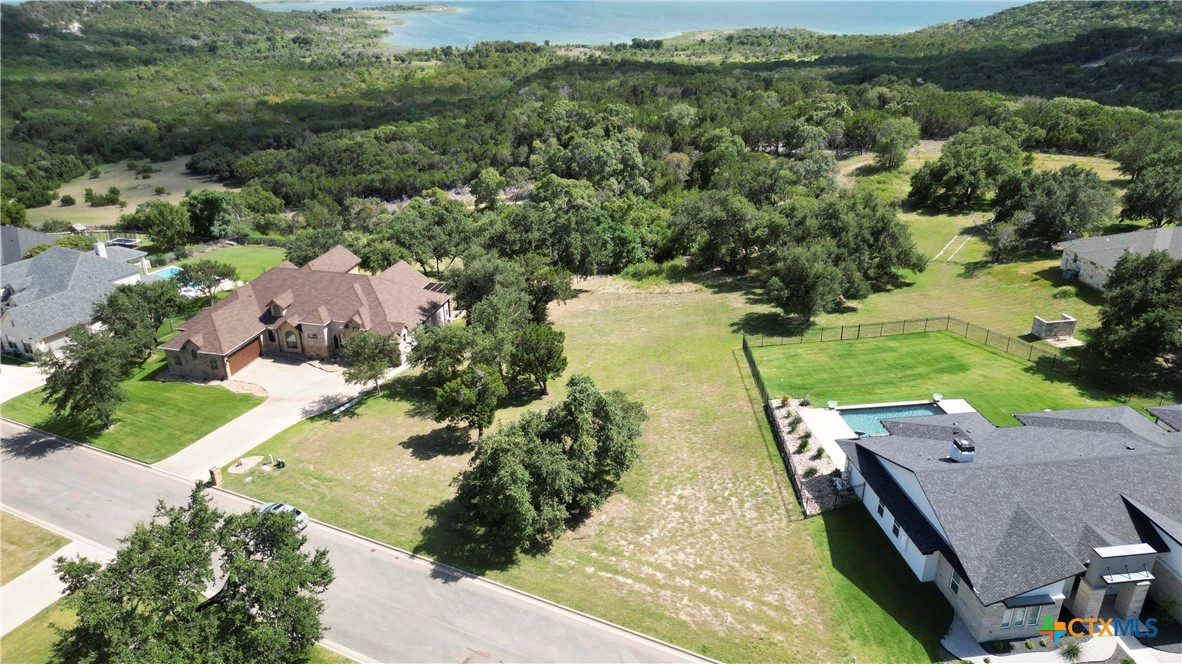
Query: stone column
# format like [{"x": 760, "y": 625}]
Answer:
[
  {"x": 1131, "y": 598},
  {"x": 1087, "y": 599}
]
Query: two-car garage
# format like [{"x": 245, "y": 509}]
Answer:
[{"x": 248, "y": 353}]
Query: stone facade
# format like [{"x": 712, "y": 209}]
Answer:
[
  {"x": 189, "y": 362},
  {"x": 1049, "y": 329},
  {"x": 984, "y": 622},
  {"x": 1166, "y": 587}
]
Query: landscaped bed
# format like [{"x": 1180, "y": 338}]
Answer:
[
  {"x": 157, "y": 420},
  {"x": 914, "y": 366}
]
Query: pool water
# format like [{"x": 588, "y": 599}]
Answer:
[
  {"x": 168, "y": 272},
  {"x": 869, "y": 420}
]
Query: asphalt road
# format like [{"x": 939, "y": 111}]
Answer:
[{"x": 384, "y": 606}]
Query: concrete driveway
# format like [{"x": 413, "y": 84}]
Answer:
[
  {"x": 295, "y": 391},
  {"x": 16, "y": 380}
]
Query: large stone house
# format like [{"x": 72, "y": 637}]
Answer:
[
  {"x": 44, "y": 297},
  {"x": 1076, "y": 509},
  {"x": 1091, "y": 259},
  {"x": 307, "y": 312}
]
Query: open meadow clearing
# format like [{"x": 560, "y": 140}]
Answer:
[{"x": 173, "y": 176}]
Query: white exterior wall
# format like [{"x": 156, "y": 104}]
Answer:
[
  {"x": 1090, "y": 273},
  {"x": 910, "y": 485},
  {"x": 922, "y": 566}
]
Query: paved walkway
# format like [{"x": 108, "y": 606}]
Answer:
[
  {"x": 31, "y": 592},
  {"x": 16, "y": 380},
  {"x": 385, "y": 605},
  {"x": 295, "y": 391}
]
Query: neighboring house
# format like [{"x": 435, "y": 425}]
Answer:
[
  {"x": 124, "y": 255},
  {"x": 16, "y": 241},
  {"x": 43, "y": 297},
  {"x": 1013, "y": 524},
  {"x": 1091, "y": 259},
  {"x": 308, "y": 312}
]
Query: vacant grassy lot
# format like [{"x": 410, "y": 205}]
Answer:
[
  {"x": 157, "y": 420},
  {"x": 704, "y": 545},
  {"x": 23, "y": 545},
  {"x": 172, "y": 176},
  {"x": 32, "y": 642},
  {"x": 913, "y": 366},
  {"x": 959, "y": 280},
  {"x": 251, "y": 261}
]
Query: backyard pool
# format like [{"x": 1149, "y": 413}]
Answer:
[
  {"x": 868, "y": 421},
  {"x": 168, "y": 272}
]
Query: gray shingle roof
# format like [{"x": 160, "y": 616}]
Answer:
[
  {"x": 123, "y": 254},
  {"x": 57, "y": 289},
  {"x": 16, "y": 241},
  {"x": 1171, "y": 415},
  {"x": 1037, "y": 498},
  {"x": 1105, "y": 250}
]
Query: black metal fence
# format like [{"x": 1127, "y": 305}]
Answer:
[
  {"x": 1132, "y": 387},
  {"x": 771, "y": 418}
]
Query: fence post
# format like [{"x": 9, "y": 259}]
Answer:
[
  {"x": 986, "y": 336},
  {"x": 802, "y": 335},
  {"x": 966, "y": 329},
  {"x": 1054, "y": 361},
  {"x": 1030, "y": 353},
  {"x": 947, "y": 322},
  {"x": 1008, "y": 340},
  {"x": 925, "y": 324},
  {"x": 880, "y": 328},
  {"x": 904, "y": 326},
  {"x": 841, "y": 334},
  {"x": 822, "y": 334},
  {"x": 859, "y": 331}
]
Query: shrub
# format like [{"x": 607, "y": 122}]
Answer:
[
  {"x": 987, "y": 660},
  {"x": 999, "y": 646},
  {"x": 820, "y": 453},
  {"x": 1042, "y": 643},
  {"x": 94, "y": 173},
  {"x": 803, "y": 446},
  {"x": 810, "y": 471},
  {"x": 1029, "y": 644},
  {"x": 795, "y": 419},
  {"x": 55, "y": 226},
  {"x": 182, "y": 253},
  {"x": 806, "y": 400},
  {"x": 1127, "y": 660},
  {"x": 68, "y": 200},
  {"x": 160, "y": 190},
  {"x": 806, "y": 435},
  {"x": 1064, "y": 292},
  {"x": 1070, "y": 650}
]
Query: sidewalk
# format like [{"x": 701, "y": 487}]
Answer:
[{"x": 31, "y": 592}]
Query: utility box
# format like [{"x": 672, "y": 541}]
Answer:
[{"x": 215, "y": 475}]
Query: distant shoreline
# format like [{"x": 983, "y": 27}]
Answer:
[{"x": 392, "y": 8}]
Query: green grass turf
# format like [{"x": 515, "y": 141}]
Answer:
[
  {"x": 703, "y": 546},
  {"x": 157, "y": 420},
  {"x": 913, "y": 366},
  {"x": 251, "y": 261},
  {"x": 23, "y": 545}
]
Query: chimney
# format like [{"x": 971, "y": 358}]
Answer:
[
  {"x": 100, "y": 249},
  {"x": 963, "y": 450}
]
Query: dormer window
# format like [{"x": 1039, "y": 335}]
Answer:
[{"x": 276, "y": 310}]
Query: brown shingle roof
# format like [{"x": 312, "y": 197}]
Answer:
[
  {"x": 337, "y": 259},
  {"x": 387, "y": 303}
]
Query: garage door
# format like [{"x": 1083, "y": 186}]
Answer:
[{"x": 244, "y": 356}]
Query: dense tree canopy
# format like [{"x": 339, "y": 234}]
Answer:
[
  {"x": 1142, "y": 312},
  {"x": 1056, "y": 203},
  {"x": 970, "y": 166},
  {"x": 82, "y": 379}
]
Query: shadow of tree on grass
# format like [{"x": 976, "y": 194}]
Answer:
[
  {"x": 452, "y": 538},
  {"x": 444, "y": 441}
]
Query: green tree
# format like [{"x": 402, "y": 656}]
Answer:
[
  {"x": 1142, "y": 313},
  {"x": 77, "y": 242},
  {"x": 1156, "y": 195},
  {"x": 440, "y": 350},
  {"x": 969, "y": 167},
  {"x": 205, "y": 275},
  {"x": 720, "y": 229},
  {"x": 1070, "y": 200},
  {"x": 310, "y": 243},
  {"x": 211, "y": 212},
  {"x": 67, "y": 200},
  {"x": 545, "y": 282},
  {"x": 368, "y": 355},
  {"x": 471, "y": 398},
  {"x": 147, "y": 603},
  {"x": 538, "y": 354},
  {"x": 167, "y": 225},
  {"x": 487, "y": 186},
  {"x": 13, "y": 213},
  {"x": 134, "y": 312},
  {"x": 435, "y": 229},
  {"x": 496, "y": 321},
  {"x": 1142, "y": 148},
  {"x": 892, "y": 141},
  {"x": 481, "y": 274},
  {"x": 35, "y": 250},
  {"x": 804, "y": 282},
  {"x": 82, "y": 379}
]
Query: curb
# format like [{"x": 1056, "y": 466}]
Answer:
[{"x": 454, "y": 571}]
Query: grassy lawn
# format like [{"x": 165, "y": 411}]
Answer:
[
  {"x": 251, "y": 261},
  {"x": 704, "y": 545},
  {"x": 912, "y": 367},
  {"x": 23, "y": 545},
  {"x": 157, "y": 420},
  {"x": 172, "y": 176},
  {"x": 32, "y": 642}
]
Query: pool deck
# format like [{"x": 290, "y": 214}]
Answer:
[{"x": 827, "y": 427}]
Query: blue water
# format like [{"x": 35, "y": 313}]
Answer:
[
  {"x": 605, "y": 21},
  {"x": 168, "y": 272},
  {"x": 868, "y": 420}
]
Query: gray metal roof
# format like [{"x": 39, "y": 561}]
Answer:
[
  {"x": 1170, "y": 415},
  {"x": 16, "y": 241},
  {"x": 57, "y": 289},
  {"x": 1036, "y": 499},
  {"x": 1105, "y": 250}
]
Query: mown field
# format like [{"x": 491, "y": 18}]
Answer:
[
  {"x": 172, "y": 176},
  {"x": 24, "y": 545}
]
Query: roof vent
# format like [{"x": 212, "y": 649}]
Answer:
[{"x": 963, "y": 450}]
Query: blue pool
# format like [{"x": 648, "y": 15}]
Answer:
[
  {"x": 168, "y": 272},
  {"x": 868, "y": 420}
]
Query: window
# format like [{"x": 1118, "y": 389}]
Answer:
[
  {"x": 271, "y": 336},
  {"x": 291, "y": 340},
  {"x": 1019, "y": 616},
  {"x": 880, "y": 509},
  {"x": 28, "y": 348},
  {"x": 213, "y": 363},
  {"x": 954, "y": 584},
  {"x": 895, "y": 529},
  {"x": 275, "y": 310},
  {"x": 192, "y": 353},
  {"x": 1032, "y": 615},
  {"x": 1005, "y": 618}
]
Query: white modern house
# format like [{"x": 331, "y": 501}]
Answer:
[
  {"x": 44, "y": 297},
  {"x": 1076, "y": 509}
]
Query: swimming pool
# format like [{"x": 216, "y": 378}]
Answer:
[
  {"x": 868, "y": 421},
  {"x": 168, "y": 272}
]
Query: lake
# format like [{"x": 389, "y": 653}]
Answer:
[{"x": 583, "y": 22}]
